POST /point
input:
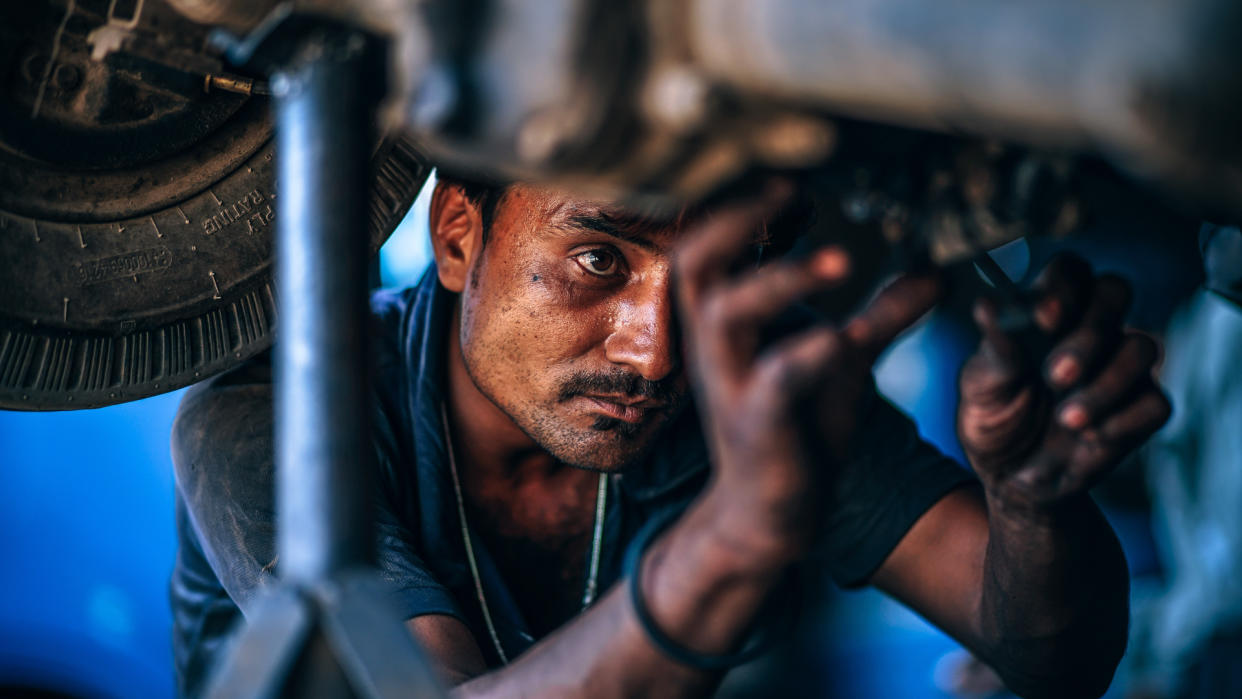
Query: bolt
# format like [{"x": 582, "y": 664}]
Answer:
[{"x": 66, "y": 77}]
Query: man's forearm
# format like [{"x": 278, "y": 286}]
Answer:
[
  {"x": 1054, "y": 598},
  {"x": 703, "y": 587}
]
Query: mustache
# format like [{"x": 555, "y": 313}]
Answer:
[{"x": 620, "y": 382}]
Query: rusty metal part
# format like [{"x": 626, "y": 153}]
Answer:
[
  {"x": 949, "y": 197},
  {"x": 136, "y": 211},
  {"x": 596, "y": 96},
  {"x": 1154, "y": 85},
  {"x": 660, "y": 97}
]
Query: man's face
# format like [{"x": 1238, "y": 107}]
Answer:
[{"x": 567, "y": 326}]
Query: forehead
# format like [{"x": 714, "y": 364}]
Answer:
[{"x": 554, "y": 212}]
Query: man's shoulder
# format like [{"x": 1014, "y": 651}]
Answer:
[
  {"x": 228, "y": 399},
  {"x": 222, "y": 434}
]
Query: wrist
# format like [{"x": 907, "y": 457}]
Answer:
[
  {"x": 1015, "y": 509},
  {"x": 703, "y": 580},
  {"x": 720, "y": 657},
  {"x": 750, "y": 534}
]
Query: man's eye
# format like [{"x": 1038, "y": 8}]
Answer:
[{"x": 599, "y": 262}]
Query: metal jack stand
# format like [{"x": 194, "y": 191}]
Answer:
[{"x": 326, "y": 630}]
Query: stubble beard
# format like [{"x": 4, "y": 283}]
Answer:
[{"x": 609, "y": 445}]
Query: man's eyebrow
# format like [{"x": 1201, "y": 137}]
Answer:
[{"x": 627, "y": 231}]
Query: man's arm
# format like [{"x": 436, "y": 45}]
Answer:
[
  {"x": 702, "y": 587},
  {"x": 1027, "y": 573},
  {"x": 1046, "y": 606}
]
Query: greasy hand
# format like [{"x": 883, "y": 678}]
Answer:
[
  {"x": 774, "y": 412},
  {"x": 1039, "y": 435}
]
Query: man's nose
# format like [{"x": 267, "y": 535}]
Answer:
[{"x": 643, "y": 334}]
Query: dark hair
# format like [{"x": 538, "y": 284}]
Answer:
[
  {"x": 779, "y": 235},
  {"x": 483, "y": 193}
]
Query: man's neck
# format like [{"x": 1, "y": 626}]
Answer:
[
  {"x": 494, "y": 455},
  {"x": 534, "y": 512}
]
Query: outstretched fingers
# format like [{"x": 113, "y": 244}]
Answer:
[
  {"x": 705, "y": 258},
  {"x": 798, "y": 364},
  {"x": 725, "y": 311},
  {"x": 742, "y": 308},
  {"x": 892, "y": 311}
]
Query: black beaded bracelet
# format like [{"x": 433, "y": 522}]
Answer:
[{"x": 672, "y": 649}]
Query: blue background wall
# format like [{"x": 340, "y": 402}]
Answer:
[
  {"x": 87, "y": 540},
  {"x": 87, "y": 546}
]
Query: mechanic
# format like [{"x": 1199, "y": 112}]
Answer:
[{"x": 573, "y": 381}]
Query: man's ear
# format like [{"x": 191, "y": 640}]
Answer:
[{"x": 456, "y": 235}]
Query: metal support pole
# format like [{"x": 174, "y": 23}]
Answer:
[
  {"x": 328, "y": 629},
  {"x": 325, "y": 102}
]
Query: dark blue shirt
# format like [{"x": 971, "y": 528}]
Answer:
[{"x": 222, "y": 450}]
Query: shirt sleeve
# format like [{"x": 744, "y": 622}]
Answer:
[
  {"x": 891, "y": 479},
  {"x": 223, "y": 457}
]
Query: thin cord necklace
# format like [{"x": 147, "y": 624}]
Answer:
[{"x": 597, "y": 535}]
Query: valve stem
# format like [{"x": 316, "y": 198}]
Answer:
[{"x": 232, "y": 83}]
